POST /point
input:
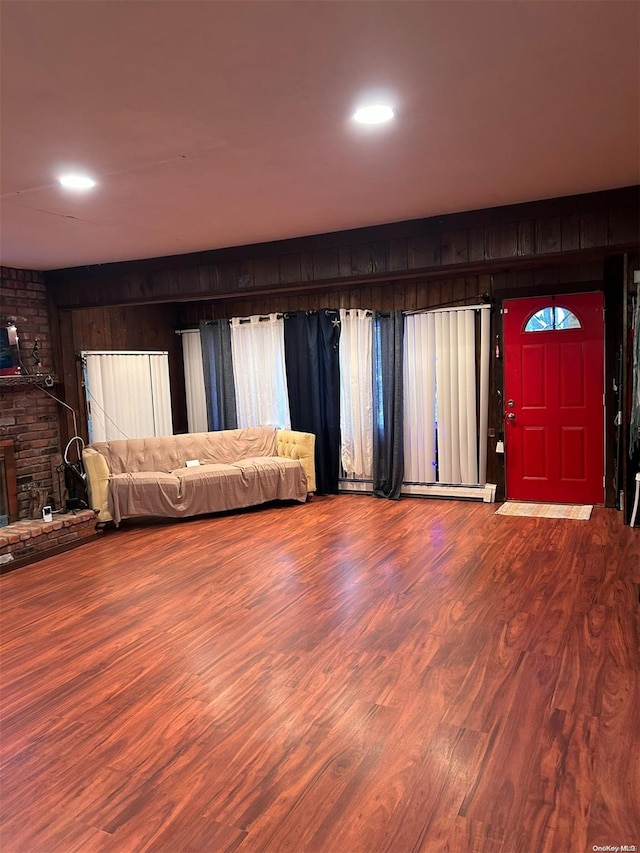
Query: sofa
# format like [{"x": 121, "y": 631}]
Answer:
[{"x": 182, "y": 475}]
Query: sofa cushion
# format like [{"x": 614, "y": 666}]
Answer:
[
  {"x": 157, "y": 492},
  {"x": 267, "y": 463},
  {"x": 170, "y": 452},
  {"x": 278, "y": 478}
]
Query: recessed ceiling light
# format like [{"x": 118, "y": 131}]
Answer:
[
  {"x": 374, "y": 114},
  {"x": 77, "y": 182}
]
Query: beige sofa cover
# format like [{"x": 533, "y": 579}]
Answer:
[{"x": 237, "y": 468}]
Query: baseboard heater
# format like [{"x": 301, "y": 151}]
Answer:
[
  {"x": 349, "y": 484},
  {"x": 486, "y": 493}
]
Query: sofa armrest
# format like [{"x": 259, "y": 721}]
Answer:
[
  {"x": 300, "y": 445},
  {"x": 97, "y": 471}
]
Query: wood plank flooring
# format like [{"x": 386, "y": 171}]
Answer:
[{"x": 347, "y": 676}]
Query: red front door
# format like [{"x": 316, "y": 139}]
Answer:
[{"x": 553, "y": 398}]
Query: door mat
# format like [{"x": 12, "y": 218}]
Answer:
[{"x": 578, "y": 513}]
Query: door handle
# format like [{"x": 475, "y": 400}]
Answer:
[{"x": 510, "y": 416}]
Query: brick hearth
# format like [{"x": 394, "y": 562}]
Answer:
[{"x": 28, "y": 541}]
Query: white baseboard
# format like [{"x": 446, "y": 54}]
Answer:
[{"x": 486, "y": 493}]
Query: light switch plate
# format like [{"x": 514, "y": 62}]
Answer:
[{"x": 499, "y": 446}]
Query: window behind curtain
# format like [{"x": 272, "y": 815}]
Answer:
[
  {"x": 259, "y": 371},
  {"x": 356, "y": 394},
  {"x": 194, "y": 381}
]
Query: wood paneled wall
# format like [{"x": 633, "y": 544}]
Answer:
[
  {"x": 577, "y": 228},
  {"x": 402, "y": 295},
  {"x": 148, "y": 327},
  {"x": 555, "y": 246},
  {"x": 153, "y": 326}
]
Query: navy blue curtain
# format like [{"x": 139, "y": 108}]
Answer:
[
  {"x": 388, "y": 404},
  {"x": 313, "y": 377},
  {"x": 217, "y": 362}
]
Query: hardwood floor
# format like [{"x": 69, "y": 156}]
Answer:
[{"x": 348, "y": 675}]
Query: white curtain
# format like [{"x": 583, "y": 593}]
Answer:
[
  {"x": 194, "y": 381},
  {"x": 356, "y": 393},
  {"x": 128, "y": 394},
  {"x": 257, "y": 346},
  {"x": 442, "y": 383}
]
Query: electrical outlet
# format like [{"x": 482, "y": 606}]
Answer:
[{"x": 499, "y": 446}]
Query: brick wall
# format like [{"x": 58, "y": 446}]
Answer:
[{"x": 27, "y": 414}]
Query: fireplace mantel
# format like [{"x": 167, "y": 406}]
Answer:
[{"x": 28, "y": 379}]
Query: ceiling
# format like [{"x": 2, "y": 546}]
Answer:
[{"x": 212, "y": 124}]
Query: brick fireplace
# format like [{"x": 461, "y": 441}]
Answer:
[
  {"x": 28, "y": 417},
  {"x": 30, "y": 453}
]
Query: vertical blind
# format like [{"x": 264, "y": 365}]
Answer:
[
  {"x": 446, "y": 396},
  {"x": 128, "y": 394},
  {"x": 420, "y": 399}
]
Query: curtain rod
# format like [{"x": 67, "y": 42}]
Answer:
[
  {"x": 279, "y": 316},
  {"x": 446, "y": 307},
  {"x": 84, "y": 353}
]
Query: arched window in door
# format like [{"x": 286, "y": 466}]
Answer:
[{"x": 551, "y": 319}]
